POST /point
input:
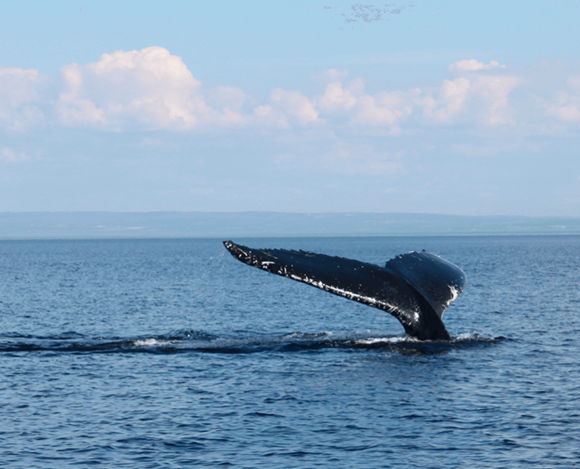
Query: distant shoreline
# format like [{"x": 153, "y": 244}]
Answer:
[{"x": 150, "y": 225}]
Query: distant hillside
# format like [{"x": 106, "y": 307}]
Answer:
[{"x": 54, "y": 225}]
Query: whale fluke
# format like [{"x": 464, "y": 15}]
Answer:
[{"x": 415, "y": 287}]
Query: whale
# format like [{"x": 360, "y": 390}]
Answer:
[{"x": 415, "y": 287}]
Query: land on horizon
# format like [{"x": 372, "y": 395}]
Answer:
[{"x": 93, "y": 225}]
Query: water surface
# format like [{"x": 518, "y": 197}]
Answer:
[{"x": 169, "y": 353}]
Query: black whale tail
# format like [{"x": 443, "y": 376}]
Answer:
[{"x": 415, "y": 287}]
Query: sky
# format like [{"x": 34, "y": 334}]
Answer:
[{"x": 464, "y": 108}]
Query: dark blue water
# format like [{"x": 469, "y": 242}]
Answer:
[{"x": 170, "y": 354}]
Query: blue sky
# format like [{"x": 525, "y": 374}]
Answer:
[{"x": 297, "y": 106}]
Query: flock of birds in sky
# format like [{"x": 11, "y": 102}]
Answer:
[{"x": 367, "y": 13}]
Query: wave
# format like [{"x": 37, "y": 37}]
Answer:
[{"x": 203, "y": 342}]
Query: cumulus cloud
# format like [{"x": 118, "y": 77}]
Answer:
[
  {"x": 152, "y": 89},
  {"x": 480, "y": 98},
  {"x": 285, "y": 109},
  {"x": 567, "y": 108},
  {"x": 295, "y": 105},
  {"x": 351, "y": 102},
  {"x": 337, "y": 98},
  {"x": 21, "y": 95},
  {"x": 564, "y": 103},
  {"x": 472, "y": 97},
  {"x": 149, "y": 89},
  {"x": 387, "y": 108},
  {"x": 473, "y": 65},
  {"x": 267, "y": 116},
  {"x": 448, "y": 103},
  {"x": 494, "y": 90}
]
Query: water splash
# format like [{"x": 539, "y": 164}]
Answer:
[{"x": 182, "y": 341}]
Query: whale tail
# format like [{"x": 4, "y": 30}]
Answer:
[{"x": 415, "y": 287}]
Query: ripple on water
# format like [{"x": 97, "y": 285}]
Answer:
[{"x": 166, "y": 353}]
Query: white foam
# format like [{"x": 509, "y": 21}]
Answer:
[
  {"x": 467, "y": 336},
  {"x": 145, "y": 342},
  {"x": 381, "y": 340}
]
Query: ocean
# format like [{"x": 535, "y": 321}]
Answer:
[{"x": 169, "y": 353}]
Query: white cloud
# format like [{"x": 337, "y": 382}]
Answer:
[
  {"x": 482, "y": 99},
  {"x": 267, "y": 116},
  {"x": 495, "y": 91},
  {"x": 448, "y": 103},
  {"x": 568, "y": 107},
  {"x": 336, "y": 98},
  {"x": 383, "y": 109},
  {"x": 149, "y": 89},
  {"x": 473, "y": 65},
  {"x": 571, "y": 112},
  {"x": 386, "y": 108},
  {"x": 295, "y": 104},
  {"x": 565, "y": 103},
  {"x": 474, "y": 98},
  {"x": 11, "y": 156},
  {"x": 21, "y": 93}
]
